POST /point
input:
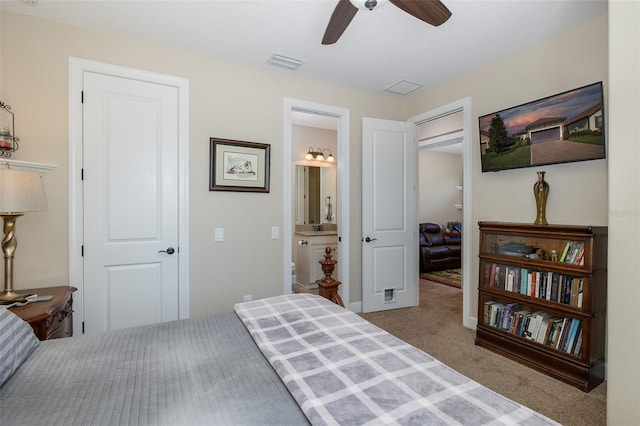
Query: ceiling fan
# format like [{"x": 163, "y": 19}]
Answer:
[{"x": 430, "y": 11}]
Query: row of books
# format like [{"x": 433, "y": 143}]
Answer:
[
  {"x": 560, "y": 333},
  {"x": 573, "y": 253},
  {"x": 552, "y": 286}
]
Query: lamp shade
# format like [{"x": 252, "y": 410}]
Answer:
[{"x": 21, "y": 191}]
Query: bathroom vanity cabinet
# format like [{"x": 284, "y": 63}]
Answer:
[{"x": 310, "y": 251}]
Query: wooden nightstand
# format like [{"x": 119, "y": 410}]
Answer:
[{"x": 52, "y": 319}]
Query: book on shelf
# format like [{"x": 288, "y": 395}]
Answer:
[
  {"x": 524, "y": 281},
  {"x": 489, "y": 273},
  {"x": 580, "y": 292},
  {"x": 577, "y": 350},
  {"x": 523, "y": 317},
  {"x": 494, "y": 313},
  {"x": 500, "y": 274},
  {"x": 573, "y": 329},
  {"x": 542, "y": 335},
  {"x": 495, "y": 273},
  {"x": 564, "y": 252},
  {"x": 553, "y": 291},
  {"x": 574, "y": 338},
  {"x": 510, "y": 277},
  {"x": 534, "y": 326},
  {"x": 556, "y": 330},
  {"x": 564, "y": 330},
  {"x": 573, "y": 253},
  {"x": 579, "y": 260},
  {"x": 533, "y": 284},
  {"x": 508, "y": 316},
  {"x": 487, "y": 311}
]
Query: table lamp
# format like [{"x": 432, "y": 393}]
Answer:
[{"x": 20, "y": 191}]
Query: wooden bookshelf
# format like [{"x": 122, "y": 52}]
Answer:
[{"x": 542, "y": 298}]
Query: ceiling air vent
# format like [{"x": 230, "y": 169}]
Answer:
[
  {"x": 285, "y": 62},
  {"x": 403, "y": 87}
]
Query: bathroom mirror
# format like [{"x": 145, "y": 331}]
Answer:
[{"x": 316, "y": 195}]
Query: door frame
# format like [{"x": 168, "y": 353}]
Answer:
[
  {"x": 342, "y": 115},
  {"x": 77, "y": 68},
  {"x": 463, "y": 105}
]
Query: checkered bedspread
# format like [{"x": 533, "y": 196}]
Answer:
[{"x": 343, "y": 370}]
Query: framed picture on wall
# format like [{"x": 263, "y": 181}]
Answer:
[{"x": 239, "y": 166}]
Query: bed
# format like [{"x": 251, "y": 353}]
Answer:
[{"x": 286, "y": 360}]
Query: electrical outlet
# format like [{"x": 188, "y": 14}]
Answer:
[{"x": 247, "y": 298}]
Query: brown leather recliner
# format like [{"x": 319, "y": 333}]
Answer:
[{"x": 437, "y": 251}]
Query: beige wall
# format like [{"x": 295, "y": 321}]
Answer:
[
  {"x": 226, "y": 100},
  {"x": 623, "y": 325},
  {"x": 303, "y": 137},
  {"x": 438, "y": 176}
]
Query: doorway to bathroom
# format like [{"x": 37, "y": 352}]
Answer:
[{"x": 316, "y": 158}]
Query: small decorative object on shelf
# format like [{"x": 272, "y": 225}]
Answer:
[
  {"x": 8, "y": 140},
  {"x": 545, "y": 311},
  {"x": 541, "y": 191}
]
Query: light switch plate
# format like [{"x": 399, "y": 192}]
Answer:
[
  {"x": 275, "y": 232},
  {"x": 219, "y": 235}
]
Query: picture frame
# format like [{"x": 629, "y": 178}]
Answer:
[
  {"x": 239, "y": 166},
  {"x": 562, "y": 128}
]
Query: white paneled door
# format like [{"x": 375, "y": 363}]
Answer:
[
  {"x": 389, "y": 215},
  {"x": 130, "y": 191}
]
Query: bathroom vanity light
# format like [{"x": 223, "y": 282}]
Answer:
[{"x": 318, "y": 155}]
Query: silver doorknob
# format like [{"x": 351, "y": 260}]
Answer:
[
  {"x": 368, "y": 240},
  {"x": 170, "y": 250}
]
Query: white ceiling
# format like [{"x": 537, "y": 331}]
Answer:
[{"x": 378, "y": 49}]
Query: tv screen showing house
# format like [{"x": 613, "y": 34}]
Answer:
[{"x": 561, "y": 128}]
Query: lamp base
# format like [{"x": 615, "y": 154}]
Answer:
[{"x": 11, "y": 296}]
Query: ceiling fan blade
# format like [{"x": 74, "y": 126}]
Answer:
[
  {"x": 340, "y": 19},
  {"x": 430, "y": 11}
]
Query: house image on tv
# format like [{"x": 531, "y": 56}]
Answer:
[
  {"x": 556, "y": 128},
  {"x": 546, "y": 129},
  {"x": 590, "y": 119}
]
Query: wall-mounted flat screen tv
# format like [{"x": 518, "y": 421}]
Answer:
[{"x": 561, "y": 128}]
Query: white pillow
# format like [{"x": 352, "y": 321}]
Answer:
[{"x": 17, "y": 341}]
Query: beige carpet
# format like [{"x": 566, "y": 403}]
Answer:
[
  {"x": 436, "y": 327},
  {"x": 452, "y": 277}
]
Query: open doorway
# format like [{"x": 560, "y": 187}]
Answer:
[
  {"x": 314, "y": 153},
  {"x": 306, "y": 132},
  {"x": 454, "y": 139},
  {"x": 440, "y": 204}
]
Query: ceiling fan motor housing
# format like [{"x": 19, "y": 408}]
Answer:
[{"x": 368, "y": 4}]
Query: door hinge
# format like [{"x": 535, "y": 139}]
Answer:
[
  {"x": 82, "y": 251},
  {"x": 82, "y": 97},
  {"x": 82, "y": 327},
  {"x": 81, "y": 174}
]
